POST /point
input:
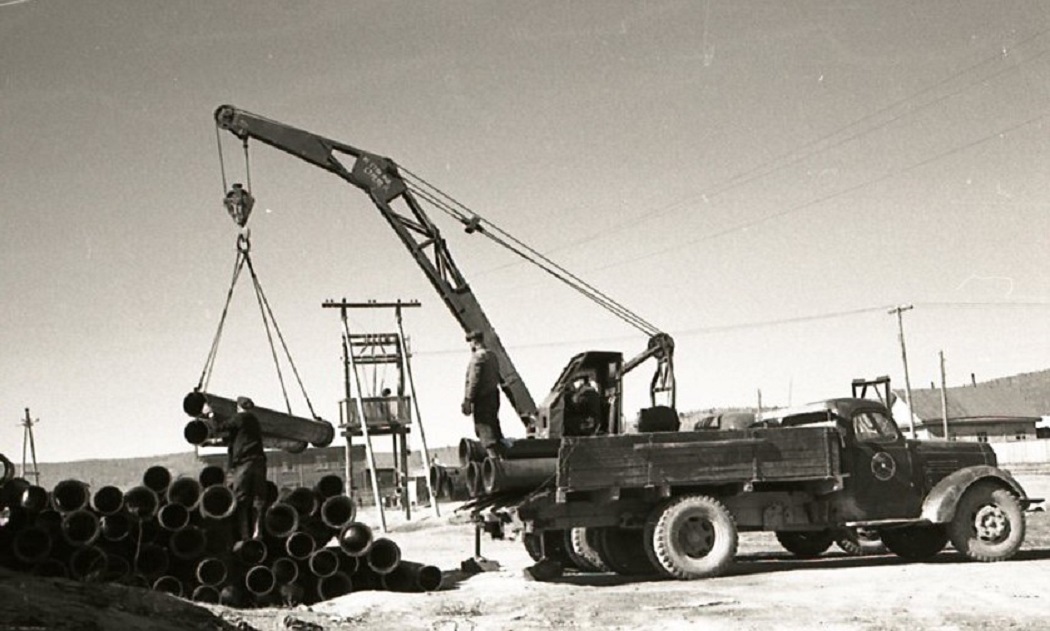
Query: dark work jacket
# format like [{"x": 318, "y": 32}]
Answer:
[
  {"x": 245, "y": 442},
  {"x": 482, "y": 375}
]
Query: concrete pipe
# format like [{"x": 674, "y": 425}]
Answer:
[
  {"x": 317, "y": 432},
  {"x": 259, "y": 581},
  {"x": 108, "y": 500},
  {"x": 11, "y": 491},
  {"x": 217, "y": 503},
  {"x": 455, "y": 483},
  {"x": 188, "y": 544},
  {"x": 474, "y": 479},
  {"x": 233, "y": 595},
  {"x": 305, "y": 500},
  {"x": 211, "y": 571},
  {"x": 355, "y": 539},
  {"x": 338, "y": 511},
  {"x": 412, "y": 577},
  {"x": 437, "y": 478},
  {"x": 168, "y": 584},
  {"x": 272, "y": 492},
  {"x": 211, "y": 475},
  {"x": 470, "y": 450},
  {"x": 285, "y": 571},
  {"x": 157, "y": 479},
  {"x": 7, "y": 470},
  {"x": 323, "y": 563},
  {"x": 383, "y": 556},
  {"x": 88, "y": 563},
  {"x": 50, "y": 520},
  {"x": 35, "y": 499},
  {"x": 151, "y": 560},
  {"x": 142, "y": 502},
  {"x": 299, "y": 546},
  {"x": 31, "y": 545},
  {"x": 50, "y": 568},
  {"x": 347, "y": 564},
  {"x": 172, "y": 517},
  {"x": 202, "y": 432},
  {"x": 329, "y": 486},
  {"x": 184, "y": 490},
  {"x": 205, "y": 594},
  {"x": 70, "y": 495},
  {"x": 145, "y": 530},
  {"x": 280, "y": 520},
  {"x": 517, "y": 475},
  {"x": 116, "y": 527},
  {"x": 80, "y": 528},
  {"x": 250, "y": 551},
  {"x": 334, "y": 586}
]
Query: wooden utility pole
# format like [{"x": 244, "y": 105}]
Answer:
[
  {"x": 899, "y": 310},
  {"x": 944, "y": 399},
  {"x": 28, "y": 441}
]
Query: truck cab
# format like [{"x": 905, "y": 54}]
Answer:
[{"x": 886, "y": 476}]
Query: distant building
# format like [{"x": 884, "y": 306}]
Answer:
[
  {"x": 288, "y": 470},
  {"x": 1003, "y": 410}
]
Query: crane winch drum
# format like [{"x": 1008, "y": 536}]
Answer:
[{"x": 272, "y": 424}]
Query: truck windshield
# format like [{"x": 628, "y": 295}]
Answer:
[{"x": 873, "y": 426}]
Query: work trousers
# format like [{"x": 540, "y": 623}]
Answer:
[
  {"x": 486, "y": 423},
  {"x": 248, "y": 483}
]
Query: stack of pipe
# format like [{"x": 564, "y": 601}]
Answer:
[
  {"x": 176, "y": 535},
  {"x": 279, "y": 430},
  {"x": 448, "y": 482},
  {"x": 525, "y": 465}
]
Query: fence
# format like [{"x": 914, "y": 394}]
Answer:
[{"x": 1022, "y": 451}]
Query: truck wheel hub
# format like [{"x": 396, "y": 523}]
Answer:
[
  {"x": 991, "y": 523},
  {"x": 697, "y": 538}
]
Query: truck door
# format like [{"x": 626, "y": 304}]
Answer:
[{"x": 883, "y": 484}]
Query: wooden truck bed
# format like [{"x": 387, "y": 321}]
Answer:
[{"x": 669, "y": 459}]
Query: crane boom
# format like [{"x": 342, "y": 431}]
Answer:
[{"x": 379, "y": 177}]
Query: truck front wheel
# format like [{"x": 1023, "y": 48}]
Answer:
[
  {"x": 915, "y": 543},
  {"x": 692, "y": 537},
  {"x": 988, "y": 524},
  {"x": 806, "y": 544}
]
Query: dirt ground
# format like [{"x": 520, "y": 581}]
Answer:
[{"x": 767, "y": 589}]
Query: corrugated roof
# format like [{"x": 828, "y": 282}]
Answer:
[{"x": 987, "y": 400}]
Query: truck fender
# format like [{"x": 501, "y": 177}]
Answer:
[{"x": 939, "y": 505}]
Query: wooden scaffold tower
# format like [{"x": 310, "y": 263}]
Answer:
[{"x": 386, "y": 411}]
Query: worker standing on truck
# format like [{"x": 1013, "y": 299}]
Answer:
[
  {"x": 246, "y": 468},
  {"x": 481, "y": 397}
]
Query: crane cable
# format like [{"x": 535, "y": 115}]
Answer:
[
  {"x": 243, "y": 258},
  {"x": 473, "y": 221}
]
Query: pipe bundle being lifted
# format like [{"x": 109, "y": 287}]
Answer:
[
  {"x": 279, "y": 430},
  {"x": 517, "y": 475}
]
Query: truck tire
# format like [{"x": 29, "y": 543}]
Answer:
[
  {"x": 693, "y": 536},
  {"x": 582, "y": 552},
  {"x": 859, "y": 541},
  {"x": 806, "y": 544},
  {"x": 915, "y": 543},
  {"x": 553, "y": 543},
  {"x": 623, "y": 551},
  {"x": 988, "y": 524}
]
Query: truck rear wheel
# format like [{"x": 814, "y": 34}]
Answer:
[
  {"x": 915, "y": 542},
  {"x": 988, "y": 524},
  {"x": 582, "y": 552},
  {"x": 623, "y": 551},
  {"x": 859, "y": 541},
  {"x": 692, "y": 537},
  {"x": 553, "y": 543},
  {"x": 806, "y": 544}
]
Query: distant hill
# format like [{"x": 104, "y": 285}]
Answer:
[{"x": 121, "y": 472}]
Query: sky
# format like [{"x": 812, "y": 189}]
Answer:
[{"x": 763, "y": 181}]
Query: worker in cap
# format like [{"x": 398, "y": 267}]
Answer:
[
  {"x": 481, "y": 396},
  {"x": 246, "y": 468}
]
